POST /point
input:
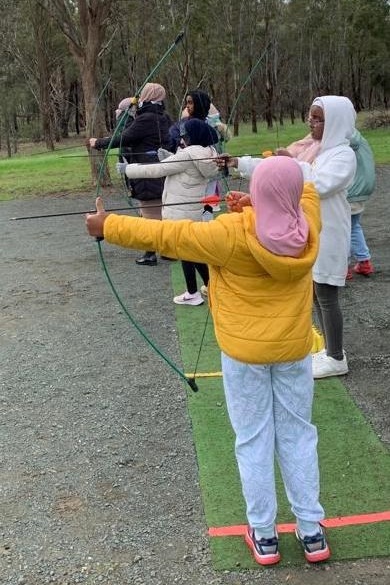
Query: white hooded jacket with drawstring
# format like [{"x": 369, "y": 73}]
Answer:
[{"x": 332, "y": 172}]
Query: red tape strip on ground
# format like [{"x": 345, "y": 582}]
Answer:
[{"x": 338, "y": 522}]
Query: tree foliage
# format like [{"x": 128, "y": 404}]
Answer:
[{"x": 65, "y": 64}]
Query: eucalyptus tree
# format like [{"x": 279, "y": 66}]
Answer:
[
  {"x": 20, "y": 78},
  {"x": 8, "y": 81},
  {"x": 368, "y": 46},
  {"x": 84, "y": 24},
  {"x": 342, "y": 47}
]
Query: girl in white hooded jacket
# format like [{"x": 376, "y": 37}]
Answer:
[
  {"x": 328, "y": 160},
  {"x": 187, "y": 173}
]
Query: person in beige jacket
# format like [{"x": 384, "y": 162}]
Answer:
[{"x": 187, "y": 173}]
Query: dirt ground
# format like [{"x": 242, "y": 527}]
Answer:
[{"x": 98, "y": 469}]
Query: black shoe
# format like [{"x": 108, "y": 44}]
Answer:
[{"x": 148, "y": 259}]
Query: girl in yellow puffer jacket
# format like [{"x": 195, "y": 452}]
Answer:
[{"x": 260, "y": 294}]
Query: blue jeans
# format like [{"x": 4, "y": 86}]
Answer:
[
  {"x": 359, "y": 248},
  {"x": 270, "y": 411}
]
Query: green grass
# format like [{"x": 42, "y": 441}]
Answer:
[
  {"x": 25, "y": 176},
  {"x": 279, "y": 136},
  {"x": 355, "y": 466},
  {"x": 29, "y": 174},
  {"x": 265, "y": 139},
  {"x": 379, "y": 141}
]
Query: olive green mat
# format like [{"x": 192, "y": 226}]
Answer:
[{"x": 354, "y": 465}]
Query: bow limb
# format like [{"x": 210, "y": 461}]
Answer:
[
  {"x": 246, "y": 81},
  {"x": 188, "y": 379},
  {"x": 178, "y": 39}
]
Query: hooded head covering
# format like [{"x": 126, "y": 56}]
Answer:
[
  {"x": 198, "y": 132},
  {"x": 339, "y": 117},
  {"x": 202, "y": 103},
  {"x": 152, "y": 92},
  {"x": 212, "y": 112},
  {"x": 124, "y": 105},
  {"x": 276, "y": 190},
  {"x": 339, "y": 126}
]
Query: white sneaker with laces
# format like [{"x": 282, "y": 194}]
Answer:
[
  {"x": 325, "y": 366},
  {"x": 187, "y": 299}
]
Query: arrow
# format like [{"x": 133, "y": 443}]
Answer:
[{"x": 208, "y": 200}]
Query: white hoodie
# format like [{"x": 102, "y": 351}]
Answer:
[{"x": 332, "y": 172}]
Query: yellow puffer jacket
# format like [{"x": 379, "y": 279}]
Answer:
[{"x": 261, "y": 303}]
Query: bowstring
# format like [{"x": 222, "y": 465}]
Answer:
[{"x": 225, "y": 179}]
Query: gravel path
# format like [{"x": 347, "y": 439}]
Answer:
[{"x": 98, "y": 470}]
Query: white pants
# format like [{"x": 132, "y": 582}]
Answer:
[{"x": 270, "y": 412}]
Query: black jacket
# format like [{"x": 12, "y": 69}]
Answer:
[
  {"x": 148, "y": 132},
  {"x": 122, "y": 124}
]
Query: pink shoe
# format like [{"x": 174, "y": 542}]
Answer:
[
  {"x": 315, "y": 547},
  {"x": 364, "y": 267},
  {"x": 265, "y": 550}
]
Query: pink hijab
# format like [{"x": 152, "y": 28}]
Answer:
[
  {"x": 152, "y": 92},
  {"x": 306, "y": 149},
  {"x": 276, "y": 190},
  {"x": 123, "y": 105}
]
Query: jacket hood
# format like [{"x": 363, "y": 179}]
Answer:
[
  {"x": 151, "y": 107},
  {"x": 202, "y": 103},
  {"x": 340, "y": 116},
  {"x": 281, "y": 268},
  {"x": 356, "y": 140}
]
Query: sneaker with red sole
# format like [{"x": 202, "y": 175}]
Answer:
[
  {"x": 265, "y": 550},
  {"x": 364, "y": 267},
  {"x": 315, "y": 547}
]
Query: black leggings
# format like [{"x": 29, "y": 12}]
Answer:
[
  {"x": 330, "y": 318},
  {"x": 189, "y": 270}
]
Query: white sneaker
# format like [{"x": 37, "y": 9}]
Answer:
[
  {"x": 204, "y": 290},
  {"x": 187, "y": 299},
  {"x": 317, "y": 355},
  {"x": 325, "y": 366}
]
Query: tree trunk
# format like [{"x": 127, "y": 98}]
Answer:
[
  {"x": 253, "y": 109},
  {"x": 94, "y": 118},
  {"x": 84, "y": 27},
  {"x": 40, "y": 28},
  {"x": 76, "y": 108}
]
